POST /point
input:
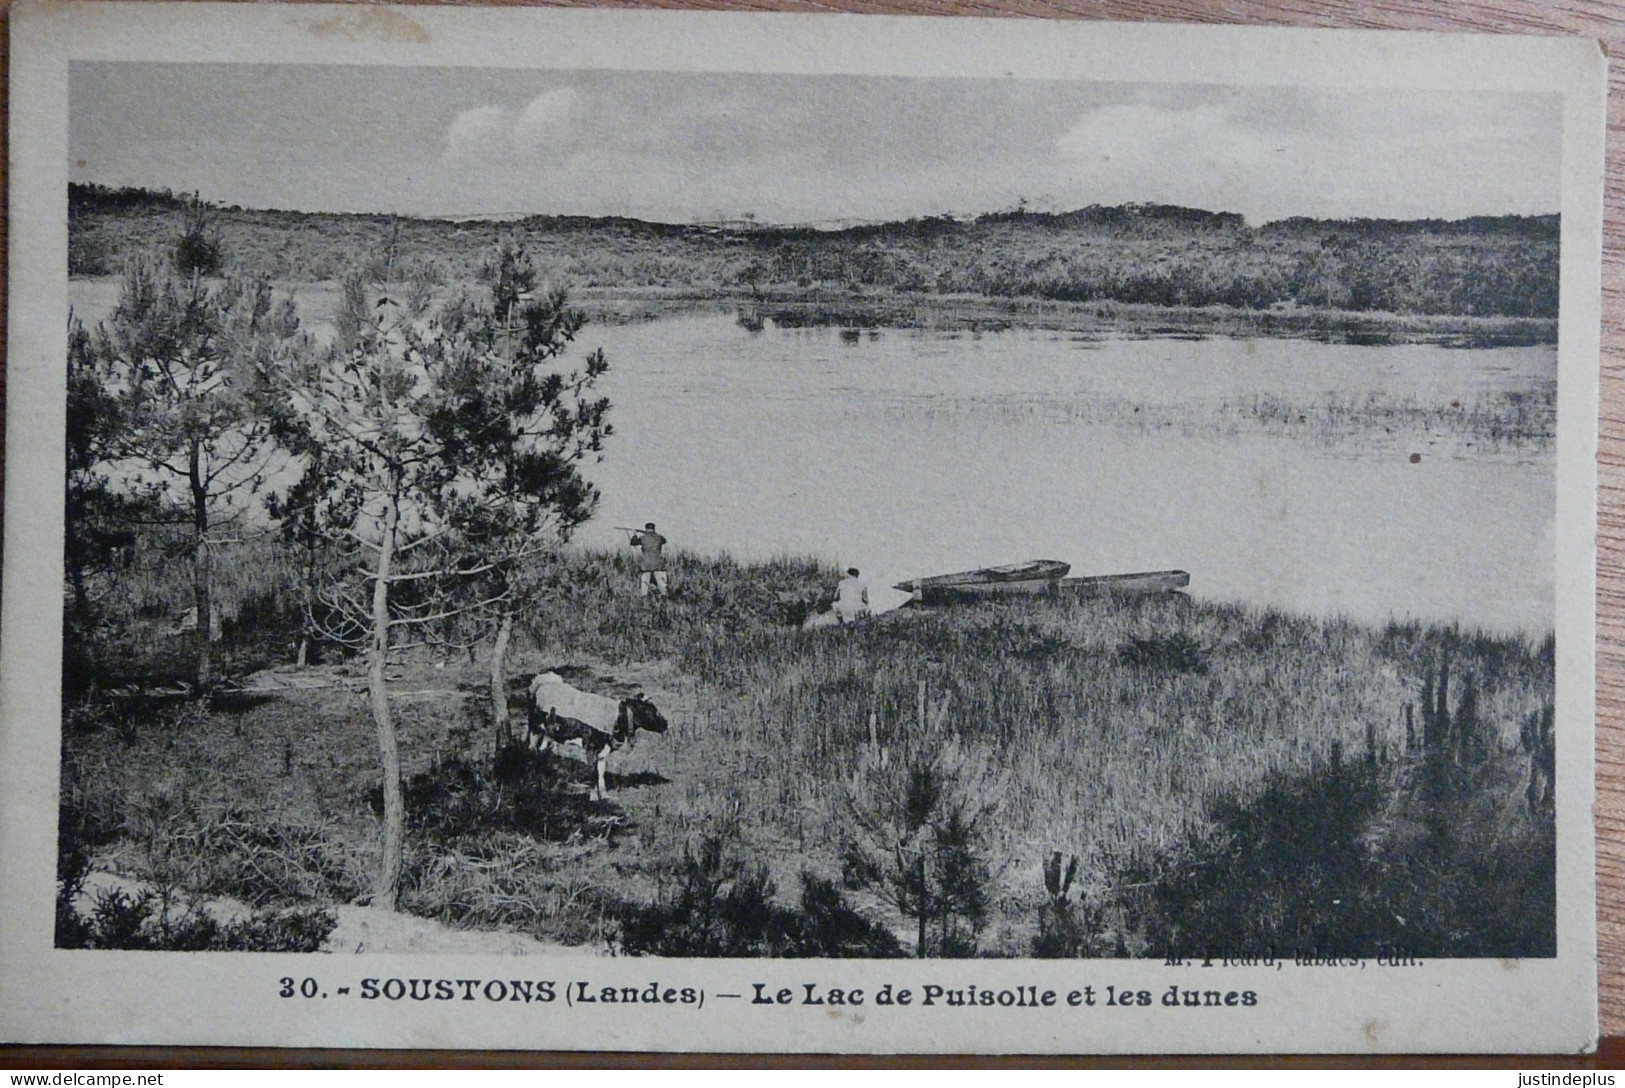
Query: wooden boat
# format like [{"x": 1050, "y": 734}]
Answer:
[
  {"x": 1033, "y": 576},
  {"x": 1156, "y": 581}
]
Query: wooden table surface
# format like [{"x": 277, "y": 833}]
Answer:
[{"x": 1598, "y": 19}]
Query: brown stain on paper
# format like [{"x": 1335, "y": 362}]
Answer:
[{"x": 371, "y": 24}]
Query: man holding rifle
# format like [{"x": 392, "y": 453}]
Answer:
[{"x": 652, "y": 561}]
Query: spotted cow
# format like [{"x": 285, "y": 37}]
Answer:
[{"x": 560, "y": 714}]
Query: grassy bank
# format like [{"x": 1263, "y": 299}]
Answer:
[
  {"x": 1228, "y": 779},
  {"x": 1105, "y": 318}
]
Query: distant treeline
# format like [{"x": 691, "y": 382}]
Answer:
[{"x": 1502, "y": 266}]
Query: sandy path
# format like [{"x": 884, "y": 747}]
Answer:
[{"x": 363, "y": 929}]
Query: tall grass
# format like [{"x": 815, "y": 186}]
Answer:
[
  {"x": 1110, "y": 760},
  {"x": 1126, "y": 732},
  {"x": 591, "y": 605},
  {"x": 1521, "y": 422},
  {"x": 1137, "y": 734},
  {"x": 1496, "y": 420}
]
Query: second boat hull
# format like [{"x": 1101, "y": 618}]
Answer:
[{"x": 1156, "y": 581}]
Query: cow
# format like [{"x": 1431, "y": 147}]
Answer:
[{"x": 560, "y": 714}]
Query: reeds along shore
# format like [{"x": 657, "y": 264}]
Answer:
[{"x": 1229, "y": 780}]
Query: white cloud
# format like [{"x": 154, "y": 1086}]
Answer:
[
  {"x": 492, "y": 135},
  {"x": 547, "y": 122},
  {"x": 475, "y": 133},
  {"x": 1262, "y": 155},
  {"x": 805, "y": 147}
]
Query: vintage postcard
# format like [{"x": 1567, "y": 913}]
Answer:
[{"x": 694, "y": 531}]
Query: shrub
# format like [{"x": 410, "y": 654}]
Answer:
[
  {"x": 723, "y": 905},
  {"x": 1359, "y": 859},
  {"x": 523, "y": 791},
  {"x": 1062, "y": 933},
  {"x": 914, "y": 832},
  {"x": 509, "y": 880},
  {"x": 197, "y": 249},
  {"x": 164, "y": 917},
  {"x": 140, "y": 922},
  {"x": 830, "y": 927}
]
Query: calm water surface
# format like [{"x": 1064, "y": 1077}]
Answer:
[
  {"x": 918, "y": 452},
  {"x": 906, "y": 452}
]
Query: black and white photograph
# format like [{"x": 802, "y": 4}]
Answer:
[{"x": 585, "y": 518}]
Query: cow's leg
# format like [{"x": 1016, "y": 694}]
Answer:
[
  {"x": 541, "y": 733},
  {"x": 603, "y": 790},
  {"x": 538, "y": 739}
]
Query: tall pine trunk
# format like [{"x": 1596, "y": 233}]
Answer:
[
  {"x": 200, "y": 568},
  {"x": 499, "y": 688},
  {"x": 387, "y": 891},
  {"x": 307, "y": 602}
]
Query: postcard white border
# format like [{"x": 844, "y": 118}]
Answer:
[{"x": 50, "y": 995}]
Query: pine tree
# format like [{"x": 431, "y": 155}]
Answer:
[
  {"x": 181, "y": 367},
  {"x": 521, "y": 426},
  {"x": 440, "y": 447}
]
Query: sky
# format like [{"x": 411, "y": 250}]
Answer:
[{"x": 681, "y": 147}]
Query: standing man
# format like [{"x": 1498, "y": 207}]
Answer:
[
  {"x": 851, "y": 597},
  {"x": 652, "y": 563}
]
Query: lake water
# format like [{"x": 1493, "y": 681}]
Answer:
[
  {"x": 920, "y": 452},
  {"x": 905, "y": 452}
]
